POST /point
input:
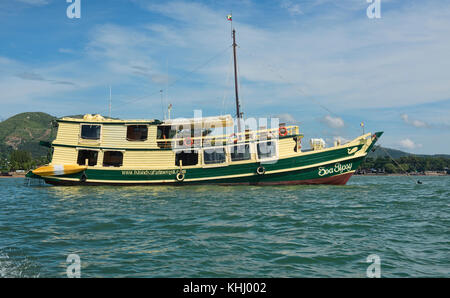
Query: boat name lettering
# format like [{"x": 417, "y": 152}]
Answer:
[
  {"x": 338, "y": 168},
  {"x": 150, "y": 172}
]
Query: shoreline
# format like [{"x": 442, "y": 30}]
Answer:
[
  {"x": 415, "y": 175},
  {"x": 14, "y": 176}
]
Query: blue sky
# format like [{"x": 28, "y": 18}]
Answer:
[{"x": 323, "y": 64}]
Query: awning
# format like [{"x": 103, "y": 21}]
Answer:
[{"x": 204, "y": 122}]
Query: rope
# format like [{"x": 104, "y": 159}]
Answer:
[
  {"x": 405, "y": 172},
  {"x": 226, "y": 91},
  {"x": 137, "y": 99},
  {"x": 300, "y": 90}
]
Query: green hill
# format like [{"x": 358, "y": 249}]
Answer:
[
  {"x": 24, "y": 131},
  {"x": 381, "y": 152}
]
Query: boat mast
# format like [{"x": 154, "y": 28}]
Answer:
[{"x": 238, "y": 114}]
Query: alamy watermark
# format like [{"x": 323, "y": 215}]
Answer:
[
  {"x": 374, "y": 9},
  {"x": 74, "y": 267},
  {"x": 374, "y": 269},
  {"x": 74, "y": 9},
  {"x": 212, "y": 135}
]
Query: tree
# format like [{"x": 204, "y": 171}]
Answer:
[
  {"x": 20, "y": 160},
  {"x": 390, "y": 168}
]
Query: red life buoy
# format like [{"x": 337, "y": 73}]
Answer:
[
  {"x": 188, "y": 141},
  {"x": 284, "y": 129},
  {"x": 233, "y": 137}
]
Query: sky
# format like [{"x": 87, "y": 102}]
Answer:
[{"x": 323, "y": 65}]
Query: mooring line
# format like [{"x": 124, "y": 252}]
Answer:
[{"x": 405, "y": 172}]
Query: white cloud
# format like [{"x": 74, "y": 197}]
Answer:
[
  {"x": 414, "y": 122},
  {"x": 344, "y": 62},
  {"x": 35, "y": 2},
  {"x": 409, "y": 144},
  {"x": 24, "y": 86},
  {"x": 124, "y": 51},
  {"x": 292, "y": 8},
  {"x": 286, "y": 118},
  {"x": 333, "y": 122}
]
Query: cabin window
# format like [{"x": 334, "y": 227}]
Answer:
[
  {"x": 89, "y": 155},
  {"x": 214, "y": 155},
  {"x": 90, "y": 132},
  {"x": 240, "y": 152},
  {"x": 137, "y": 132},
  {"x": 267, "y": 149},
  {"x": 188, "y": 158},
  {"x": 112, "y": 159},
  {"x": 165, "y": 132}
]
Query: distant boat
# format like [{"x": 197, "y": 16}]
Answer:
[{"x": 102, "y": 151}]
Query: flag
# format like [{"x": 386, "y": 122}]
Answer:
[{"x": 229, "y": 18}]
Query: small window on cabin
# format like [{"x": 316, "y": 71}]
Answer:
[
  {"x": 90, "y": 132},
  {"x": 240, "y": 152},
  {"x": 137, "y": 132},
  {"x": 187, "y": 158},
  {"x": 112, "y": 159},
  {"x": 214, "y": 156},
  {"x": 267, "y": 149},
  {"x": 87, "y": 157}
]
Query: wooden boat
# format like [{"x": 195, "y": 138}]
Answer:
[{"x": 96, "y": 151}]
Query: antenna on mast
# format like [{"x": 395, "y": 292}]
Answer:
[
  {"x": 169, "y": 108},
  {"x": 162, "y": 105}
]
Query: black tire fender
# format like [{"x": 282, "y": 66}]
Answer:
[
  {"x": 83, "y": 178},
  {"x": 260, "y": 170},
  {"x": 180, "y": 176}
]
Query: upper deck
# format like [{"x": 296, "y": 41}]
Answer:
[{"x": 99, "y": 132}]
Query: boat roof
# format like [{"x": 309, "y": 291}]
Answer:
[
  {"x": 88, "y": 118},
  {"x": 214, "y": 121}
]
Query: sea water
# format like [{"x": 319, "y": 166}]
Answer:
[{"x": 218, "y": 231}]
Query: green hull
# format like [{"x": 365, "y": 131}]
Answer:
[{"x": 324, "y": 167}]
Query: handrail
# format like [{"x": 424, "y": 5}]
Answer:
[
  {"x": 291, "y": 130},
  {"x": 234, "y": 138}
]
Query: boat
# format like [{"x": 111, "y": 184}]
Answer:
[{"x": 95, "y": 150}]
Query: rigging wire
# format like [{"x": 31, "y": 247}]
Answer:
[
  {"x": 298, "y": 89},
  {"x": 241, "y": 101},
  {"x": 197, "y": 68},
  {"x": 404, "y": 171},
  {"x": 228, "y": 83}
]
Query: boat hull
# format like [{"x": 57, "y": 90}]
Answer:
[
  {"x": 335, "y": 173},
  {"x": 335, "y": 180}
]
